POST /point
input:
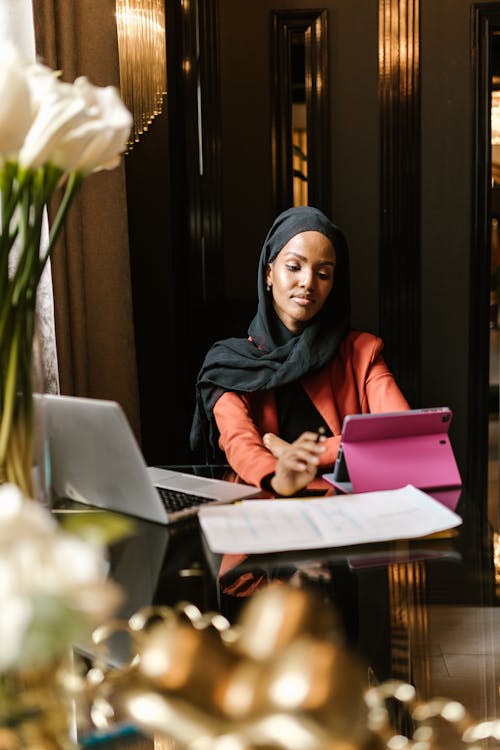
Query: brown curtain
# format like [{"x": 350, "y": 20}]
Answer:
[{"x": 91, "y": 265}]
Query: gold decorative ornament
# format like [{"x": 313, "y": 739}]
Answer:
[
  {"x": 280, "y": 678},
  {"x": 35, "y": 708}
]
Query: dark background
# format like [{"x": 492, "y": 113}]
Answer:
[{"x": 401, "y": 173}]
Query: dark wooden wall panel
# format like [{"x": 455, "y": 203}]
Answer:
[{"x": 399, "y": 261}]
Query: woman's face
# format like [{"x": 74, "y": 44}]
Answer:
[{"x": 301, "y": 277}]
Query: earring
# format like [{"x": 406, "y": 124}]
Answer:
[{"x": 268, "y": 287}]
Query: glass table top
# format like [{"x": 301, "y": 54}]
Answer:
[{"x": 423, "y": 611}]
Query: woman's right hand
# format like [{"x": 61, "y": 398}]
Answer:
[{"x": 297, "y": 464}]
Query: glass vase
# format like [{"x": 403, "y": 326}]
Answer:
[{"x": 18, "y": 367}]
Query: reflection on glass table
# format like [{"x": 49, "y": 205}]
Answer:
[{"x": 419, "y": 610}]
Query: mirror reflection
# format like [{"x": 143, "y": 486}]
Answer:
[
  {"x": 299, "y": 120},
  {"x": 299, "y": 128}
]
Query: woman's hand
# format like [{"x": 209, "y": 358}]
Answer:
[
  {"x": 274, "y": 444},
  {"x": 297, "y": 464}
]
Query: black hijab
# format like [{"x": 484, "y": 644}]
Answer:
[{"x": 269, "y": 359}]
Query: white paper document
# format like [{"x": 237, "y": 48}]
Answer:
[{"x": 254, "y": 526}]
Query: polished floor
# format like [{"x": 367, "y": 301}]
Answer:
[
  {"x": 464, "y": 642},
  {"x": 464, "y": 666},
  {"x": 465, "y": 652}
]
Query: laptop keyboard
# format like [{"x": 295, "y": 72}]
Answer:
[{"x": 175, "y": 500}]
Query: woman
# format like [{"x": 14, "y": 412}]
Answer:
[{"x": 275, "y": 402}]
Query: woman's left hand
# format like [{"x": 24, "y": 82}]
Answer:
[
  {"x": 297, "y": 464},
  {"x": 275, "y": 444}
]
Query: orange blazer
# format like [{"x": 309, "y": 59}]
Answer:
[{"x": 356, "y": 381}]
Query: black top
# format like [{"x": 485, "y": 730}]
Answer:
[{"x": 297, "y": 413}]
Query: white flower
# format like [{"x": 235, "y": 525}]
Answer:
[
  {"x": 59, "y": 109},
  {"x": 98, "y": 141},
  {"x": 15, "y": 101},
  {"x": 71, "y": 562},
  {"x": 14, "y": 620},
  {"x": 76, "y": 126},
  {"x": 19, "y": 518},
  {"x": 41, "y": 80},
  {"x": 52, "y": 584},
  {"x": 11, "y": 502}
]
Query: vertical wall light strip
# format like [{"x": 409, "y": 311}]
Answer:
[{"x": 142, "y": 59}]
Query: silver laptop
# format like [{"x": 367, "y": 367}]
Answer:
[{"x": 95, "y": 459}]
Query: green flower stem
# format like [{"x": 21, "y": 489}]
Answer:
[
  {"x": 31, "y": 216},
  {"x": 74, "y": 181},
  {"x": 36, "y": 190},
  {"x": 24, "y": 195},
  {"x": 17, "y": 422},
  {"x": 6, "y": 240},
  {"x": 10, "y": 289},
  {"x": 9, "y": 393}
]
